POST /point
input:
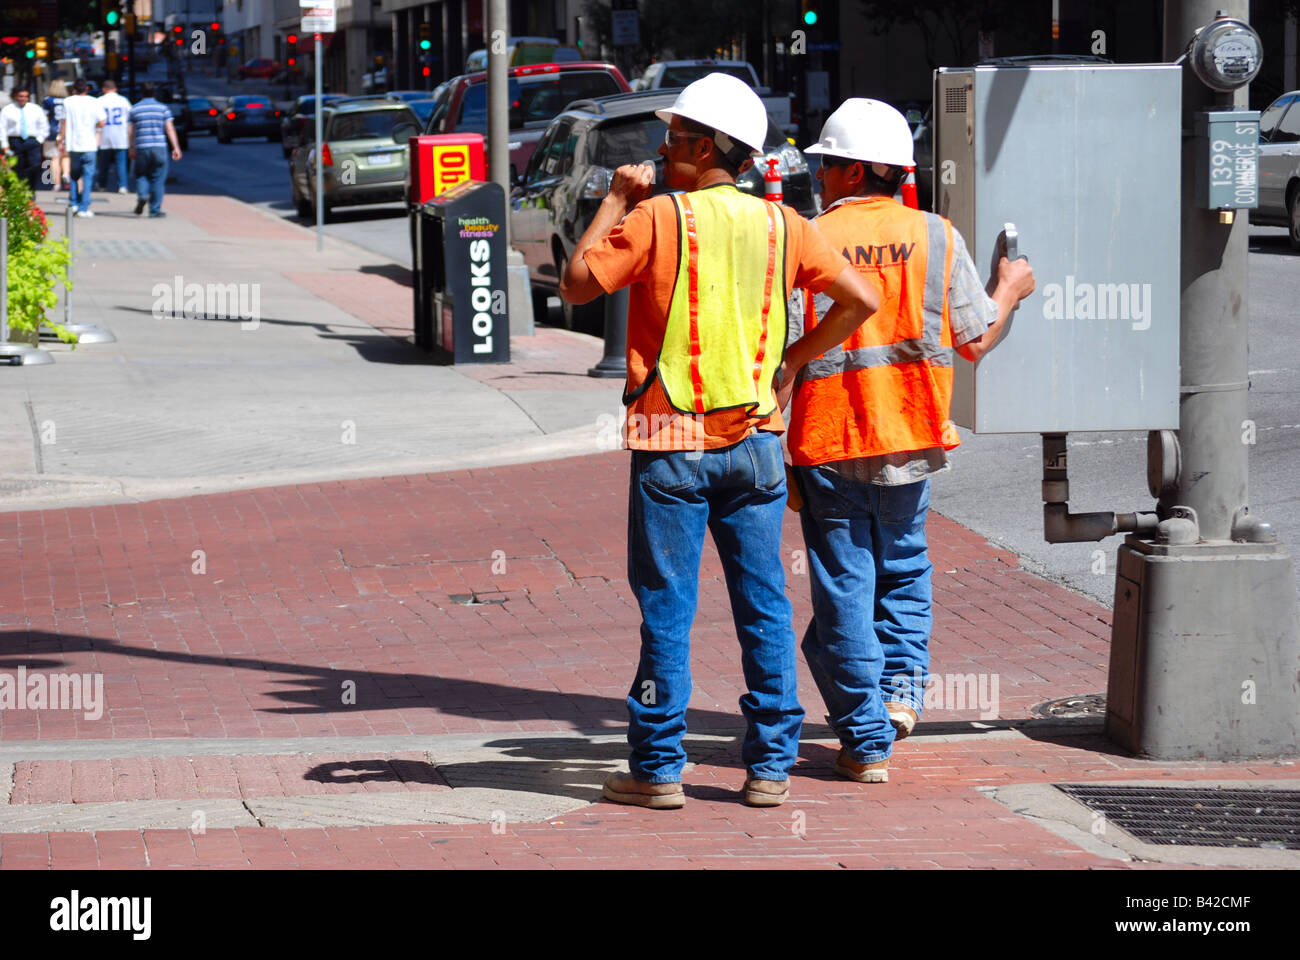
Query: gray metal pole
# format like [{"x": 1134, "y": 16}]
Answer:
[
  {"x": 320, "y": 186},
  {"x": 1205, "y": 647},
  {"x": 498, "y": 29},
  {"x": 4, "y": 279},
  {"x": 69, "y": 220}
]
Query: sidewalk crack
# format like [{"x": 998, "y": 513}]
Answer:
[
  {"x": 560, "y": 560},
  {"x": 259, "y": 820},
  {"x": 36, "y": 437}
]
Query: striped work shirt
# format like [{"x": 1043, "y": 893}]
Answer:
[{"x": 149, "y": 120}]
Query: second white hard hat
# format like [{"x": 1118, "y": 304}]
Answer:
[
  {"x": 728, "y": 105},
  {"x": 866, "y": 130}
]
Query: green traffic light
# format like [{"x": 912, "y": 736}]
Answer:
[
  {"x": 112, "y": 17},
  {"x": 810, "y": 17},
  {"x": 31, "y": 54},
  {"x": 425, "y": 44}
]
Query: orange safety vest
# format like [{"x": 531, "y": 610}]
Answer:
[{"x": 887, "y": 388}]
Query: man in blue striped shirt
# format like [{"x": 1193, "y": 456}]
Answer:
[{"x": 150, "y": 131}]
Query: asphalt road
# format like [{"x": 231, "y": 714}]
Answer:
[{"x": 994, "y": 486}]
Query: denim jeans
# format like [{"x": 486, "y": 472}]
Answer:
[
  {"x": 111, "y": 160},
  {"x": 81, "y": 167},
  {"x": 738, "y": 495},
  {"x": 151, "y": 176},
  {"x": 872, "y": 602}
]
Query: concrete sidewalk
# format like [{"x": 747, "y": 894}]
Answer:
[
  {"x": 322, "y": 383},
  {"x": 428, "y": 668}
]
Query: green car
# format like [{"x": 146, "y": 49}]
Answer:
[{"x": 363, "y": 155}]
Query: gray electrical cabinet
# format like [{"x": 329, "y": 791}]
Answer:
[{"x": 1084, "y": 161}]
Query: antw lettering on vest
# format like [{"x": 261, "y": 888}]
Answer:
[
  {"x": 480, "y": 268},
  {"x": 869, "y": 255}
]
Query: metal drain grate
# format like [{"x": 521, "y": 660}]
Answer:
[{"x": 1197, "y": 817}]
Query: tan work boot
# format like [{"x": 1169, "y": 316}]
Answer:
[
  {"x": 766, "y": 793},
  {"x": 625, "y": 788},
  {"x": 902, "y": 717},
  {"x": 851, "y": 769}
]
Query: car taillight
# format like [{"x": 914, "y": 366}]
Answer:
[
  {"x": 326, "y": 158},
  {"x": 254, "y": 106},
  {"x": 277, "y": 113},
  {"x": 230, "y": 115},
  {"x": 212, "y": 111}
]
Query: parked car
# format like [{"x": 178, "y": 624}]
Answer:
[
  {"x": 1279, "y": 166},
  {"x": 363, "y": 156},
  {"x": 423, "y": 109},
  {"x": 298, "y": 117},
  {"x": 249, "y": 116},
  {"x": 406, "y": 96},
  {"x": 525, "y": 51},
  {"x": 204, "y": 112},
  {"x": 674, "y": 74},
  {"x": 536, "y": 95},
  {"x": 571, "y": 170},
  {"x": 260, "y": 69}
]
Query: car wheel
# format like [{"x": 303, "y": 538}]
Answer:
[
  {"x": 1293, "y": 208},
  {"x": 584, "y": 318}
]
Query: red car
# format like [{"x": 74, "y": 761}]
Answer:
[
  {"x": 263, "y": 69},
  {"x": 538, "y": 93}
]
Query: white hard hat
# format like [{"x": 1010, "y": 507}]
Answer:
[
  {"x": 728, "y": 105},
  {"x": 866, "y": 130}
]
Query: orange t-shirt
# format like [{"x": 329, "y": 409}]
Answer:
[{"x": 642, "y": 252}]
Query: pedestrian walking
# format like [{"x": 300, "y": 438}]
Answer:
[
  {"x": 870, "y": 426},
  {"x": 83, "y": 123},
  {"x": 709, "y": 270},
  {"x": 151, "y": 132},
  {"x": 58, "y": 157},
  {"x": 23, "y": 131},
  {"x": 113, "y": 145}
]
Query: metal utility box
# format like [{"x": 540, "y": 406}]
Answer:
[
  {"x": 458, "y": 255},
  {"x": 1227, "y": 159},
  {"x": 1085, "y": 162}
]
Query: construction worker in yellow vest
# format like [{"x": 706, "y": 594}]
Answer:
[
  {"x": 709, "y": 270},
  {"x": 870, "y": 426}
]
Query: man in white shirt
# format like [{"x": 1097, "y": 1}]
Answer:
[
  {"x": 23, "y": 128},
  {"x": 83, "y": 119},
  {"x": 113, "y": 143}
]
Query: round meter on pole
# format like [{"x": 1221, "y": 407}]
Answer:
[{"x": 1226, "y": 54}]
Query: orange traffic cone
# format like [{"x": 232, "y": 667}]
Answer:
[{"x": 908, "y": 189}]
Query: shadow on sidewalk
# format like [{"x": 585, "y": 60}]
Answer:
[{"x": 323, "y": 690}]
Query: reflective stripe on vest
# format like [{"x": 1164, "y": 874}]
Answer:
[
  {"x": 888, "y": 387},
  {"x": 726, "y": 331}
]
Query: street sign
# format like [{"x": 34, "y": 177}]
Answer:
[
  {"x": 318, "y": 19},
  {"x": 824, "y": 46},
  {"x": 625, "y": 23}
]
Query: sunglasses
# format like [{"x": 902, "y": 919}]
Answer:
[{"x": 672, "y": 137}]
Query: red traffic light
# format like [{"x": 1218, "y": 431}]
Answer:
[
  {"x": 214, "y": 27},
  {"x": 176, "y": 29},
  {"x": 293, "y": 61},
  {"x": 293, "y": 38},
  {"x": 425, "y": 72}
]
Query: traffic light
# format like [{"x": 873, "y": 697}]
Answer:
[
  {"x": 42, "y": 48},
  {"x": 810, "y": 17},
  {"x": 426, "y": 36},
  {"x": 30, "y": 52},
  {"x": 292, "y": 41},
  {"x": 176, "y": 34},
  {"x": 112, "y": 15}
]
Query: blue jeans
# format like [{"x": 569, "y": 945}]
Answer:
[
  {"x": 81, "y": 167},
  {"x": 872, "y": 603},
  {"x": 111, "y": 160},
  {"x": 738, "y": 495},
  {"x": 151, "y": 176}
]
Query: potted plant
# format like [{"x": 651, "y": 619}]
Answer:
[{"x": 37, "y": 264}]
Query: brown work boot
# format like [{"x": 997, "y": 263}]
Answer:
[
  {"x": 902, "y": 717},
  {"x": 766, "y": 793},
  {"x": 851, "y": 769},
  {"x": 625, "y": 788}
]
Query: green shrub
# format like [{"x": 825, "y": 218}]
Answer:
[{"x": 37, "y": 265}]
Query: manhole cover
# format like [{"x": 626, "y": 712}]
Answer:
[
  {"x": 1065, "y": 708},
  {"x": 1198, "y": 817}
]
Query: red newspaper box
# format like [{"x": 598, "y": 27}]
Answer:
[{"x": 441, "y": 161}]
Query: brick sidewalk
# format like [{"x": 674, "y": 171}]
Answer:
[{"x": 494, "y": 602}]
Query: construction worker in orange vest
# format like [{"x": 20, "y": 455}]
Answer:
[
  {"x": 870, "y": 426},
  {"x": 709, "y": 271}
]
